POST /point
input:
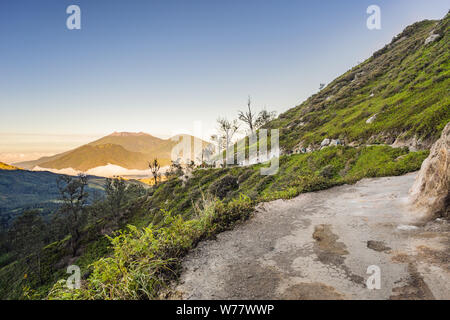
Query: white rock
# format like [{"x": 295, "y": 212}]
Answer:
[
  {"x": 325, "y": 142},
  {"x": 371, "y": 119},
  {"x": 335, "y": 142},
  {"x": 430, "y": 189},
  {"x": 431, "y": 38}
]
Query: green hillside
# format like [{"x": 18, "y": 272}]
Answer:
[
  {"x": 22, "y": 189},
  {"x": 4, "y": 166},
  {"x": 405, "y": 84}
]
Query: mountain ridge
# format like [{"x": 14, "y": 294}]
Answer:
[{"x": 125, "y": 149}]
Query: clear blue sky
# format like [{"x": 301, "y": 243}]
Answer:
[{"x": 158, "y": 66}]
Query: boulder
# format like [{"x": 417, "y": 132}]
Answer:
[
  {"x": 431, "y": 38},
  {"x": 371, "y": 119},
  {"x": 298, "y": 148},
  {"x": 335, "y": 142},
  {"x": 431, "y": 189},
  {"x": 325, "y": 142}
]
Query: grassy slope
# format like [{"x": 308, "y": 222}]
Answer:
[
  {"x": 408, "y": 81},
  {"x": 21, "y": 189},
  {"x": 4, "y": 166}
]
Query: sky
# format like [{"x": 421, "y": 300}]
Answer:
[{"x": 160, "y": 66}]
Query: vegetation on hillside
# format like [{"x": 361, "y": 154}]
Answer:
[
  {"x": 405, "y": 84},
  {"x": 74, "y": 230},
  {"x": 175, "y": 215},
  {"x": 4, "y": 166},
  {"x": 132, "y": 241},
  {"x": 21, "y": 190}
]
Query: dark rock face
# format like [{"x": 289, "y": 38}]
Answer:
[{"x": 431, "y": 190}]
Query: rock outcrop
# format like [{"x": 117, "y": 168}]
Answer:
[
  {"x": 431, "y": 38},
  {"x": 431, "y": 190},
  {"x": 371, "y": 119},
  {"x": 325, "y": 142}
]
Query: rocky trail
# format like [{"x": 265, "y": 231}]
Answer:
[{"x": 319, "y": 246}]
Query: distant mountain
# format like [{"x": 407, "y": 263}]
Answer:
[
  {"x": 134, "y": 142},
  {"x": 125, "y": 149},
  {"x": 91, "y": 156}
]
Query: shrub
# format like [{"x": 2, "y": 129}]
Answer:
[
  {"x": 327, "y": 171},
  {"x": 221, "y": 187},
  {"x": 144, "y": 261}
]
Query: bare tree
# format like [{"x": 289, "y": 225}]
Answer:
[
  {"x": 154, "y": 168},
  {"x": 219, "y": 141},
  {"x": 208, "y": 152},
  {"x": 264, "y": 117},
  {"x": 175, "y": 170},
  {"x": 248, "y": 117},
  {"x": 228, "y": 129}
]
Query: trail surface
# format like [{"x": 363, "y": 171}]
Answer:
[{"x": 320, "y": 245}]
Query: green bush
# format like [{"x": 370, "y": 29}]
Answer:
[
  {"x": 144, "y": 261},
  {"x": 223, "y": 186}
]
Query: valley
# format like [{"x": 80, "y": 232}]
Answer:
[{"x": 21, "y": 190}]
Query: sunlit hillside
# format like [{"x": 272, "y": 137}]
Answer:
[{"x": 4, "y": 166}]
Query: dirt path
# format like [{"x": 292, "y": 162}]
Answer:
[{"x": 319, "y": 246}]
